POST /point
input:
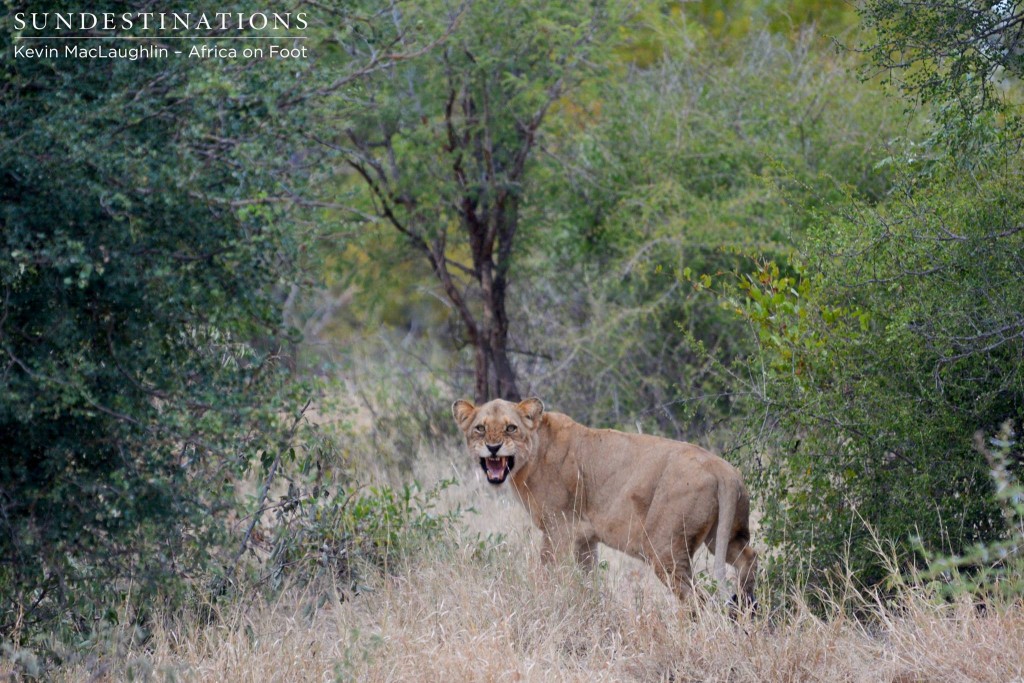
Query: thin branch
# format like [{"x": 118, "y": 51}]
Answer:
[{"x": 270, "y": 478}]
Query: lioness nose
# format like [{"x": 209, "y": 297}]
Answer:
[{"x": 494, "y": 449}]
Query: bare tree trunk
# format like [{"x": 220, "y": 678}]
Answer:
[
  {"x": 498, "y": 232},
  {"x": 505, "y": 377},
  {"x": 482, "y": 392},
  {"x": 495, "y": 376}
]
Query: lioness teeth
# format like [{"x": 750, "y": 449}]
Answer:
[{"x": 497, "y": 467}]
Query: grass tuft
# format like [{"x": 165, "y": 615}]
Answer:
[{"x": 474, "y": 607}]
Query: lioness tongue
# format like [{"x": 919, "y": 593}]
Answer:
[{"x": 495, "y": 467}]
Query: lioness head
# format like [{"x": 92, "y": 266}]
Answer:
[{"x": 498, "y": 432}]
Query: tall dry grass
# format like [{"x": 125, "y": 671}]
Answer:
[{"x": 468, "y": 611}]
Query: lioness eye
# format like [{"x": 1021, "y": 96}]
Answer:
[
  {"x": 479, "y": 429},
  {"x": 510, "y": 429}
]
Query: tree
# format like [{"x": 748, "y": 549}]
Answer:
[
  {"x": 443, "y": 143},
  {"x": 140, "y": 322}
]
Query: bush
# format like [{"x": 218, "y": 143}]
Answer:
[
  {"x": 343, "y": 531},
  {"x": 896, "y": 335},
  {"x": 716, "y": 149},
  {"x": 140, "y": 326},
  {"x": 995, "y": 568},
  {"x": 313, "y": 517}
]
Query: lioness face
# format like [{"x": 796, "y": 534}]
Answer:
[{"x": 499, "y": 432}]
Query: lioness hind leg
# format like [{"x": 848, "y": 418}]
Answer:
[
  {"x": 673, "y": 568},
  {"x": 679, "y": 580},
  {"x": 743, "y": 557}
]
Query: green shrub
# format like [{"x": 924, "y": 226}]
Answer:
[
  {"x": 896, "y": 334},
  {"x": 994, "y": 568},
  {"x": 344, "y": 530},
  {"x": 140, "y": 324},
  {"x": 716, "y": 149}
]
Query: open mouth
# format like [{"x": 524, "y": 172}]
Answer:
[{"x": 497, "y": 468}]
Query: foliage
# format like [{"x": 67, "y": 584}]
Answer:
[
  {"x": 716, "y": 150},
  {"x": 994, "y": 568},
  {"x": 964, "y": 57},
  {"x": 897, "y": 335},
  {"x": 324, "y": 509},
  {"x": 140, "y": 322},
  {"x": 341, "y": 531},
  {"x": 444, "y": 145},
  {"x": 409, "y": 408}
]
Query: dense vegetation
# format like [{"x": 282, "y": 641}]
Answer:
[
  {"x": 140, "y": 328},
  {"x": 795, "y": 236}
]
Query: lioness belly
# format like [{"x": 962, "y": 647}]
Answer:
[{"x": 657, "y": 517}]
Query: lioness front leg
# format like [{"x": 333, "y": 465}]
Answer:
[
  {"x": 547, "y": 551},
  {"x": 564, "y": 543},
  {"x": 586, "y": 553}
]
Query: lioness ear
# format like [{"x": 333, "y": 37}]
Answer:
[
  {"x": 531, "y": 409},
  {"x": 463, "y": 411}
]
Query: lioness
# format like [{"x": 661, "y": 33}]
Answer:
[{"x": 650, "y": 497}]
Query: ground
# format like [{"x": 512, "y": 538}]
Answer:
[{"x": 493, "y": 613}]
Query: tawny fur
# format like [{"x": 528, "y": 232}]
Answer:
[{"x": 649, "y": 497}]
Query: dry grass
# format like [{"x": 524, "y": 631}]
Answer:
[{"x": 460, "y": 614}]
